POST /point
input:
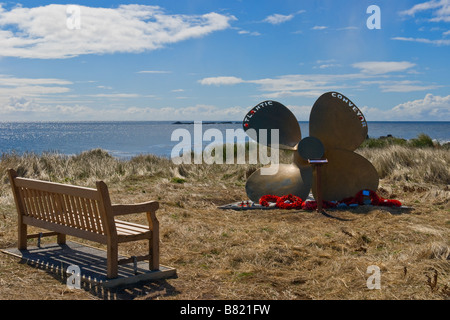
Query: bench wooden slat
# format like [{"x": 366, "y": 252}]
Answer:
[
  {"x": 90, "y": 212},
  {"x": 59, "y": 218},
  {"x": 98, "y": 218},
  {"x": 24, "y": 202},
  {"x": 129, "y": 227},
  {"x": 66, "y": 209},
  {"x": 65, "y": 229},
  {"x": 32, "y": 207},
  {"x": 44, "y": 197},
  {"x": 81, "y": 217},
  {"x": 57, "y": 188},
  {"x": 45, "y": 234},
  {"x": 122, "y": 209},
  {"x": 73, "y": 211},
  {"x": 88, "y": 220},
  {"x": 40, "y": 205}
]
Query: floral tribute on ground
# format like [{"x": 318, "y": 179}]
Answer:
[{"x": 363, "y": 197}]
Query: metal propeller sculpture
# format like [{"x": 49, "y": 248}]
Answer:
[{"x": 336, "y": 129}]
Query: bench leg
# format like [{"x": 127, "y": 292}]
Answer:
[
  {"x": 22, "y": 241},
  {"x": 154, "y": 251},
  {"x": 112, "y": 260},
  {"x": 61, "y": 238}
]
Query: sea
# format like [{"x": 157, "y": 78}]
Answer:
[{"x": 126, "y": 139}]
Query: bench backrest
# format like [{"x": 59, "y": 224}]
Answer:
[{"x": 71, "y": 206}]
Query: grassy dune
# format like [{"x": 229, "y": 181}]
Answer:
[{"x": 275, "y": 254}]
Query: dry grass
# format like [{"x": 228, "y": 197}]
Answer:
[
  {"x": 411, "y": 165},
  {"x": 257, "y": 255}
]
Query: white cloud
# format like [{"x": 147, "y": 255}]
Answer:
[
  {"x": 440, "y": 10},
  {"x": 42, "y": 32},
  {"x": 382, "y": 67},
  {"x": 294, "y": 93},
  {"x": 429, "y": 108},
  {"x": 348, "y": 28},
  {"x": 437, "y": 42},
  {"x": 190, "y": 113},
  {"x": 302, "y": 113},
  {"x": 299, "y": 85},
  {"x": 14, "y": 82},
  {"x": 23, "y": 109},
  {"x": 325, "y": 64},
  {"x": 154, "y": 71},
  {"x": 20, "y": 105},
  {"x": 221, "y": 81},
  {"x": 278, "y": 18},
  {"x": 314, "y": 85},
  {"x": 250, "y": 33},
  {"x": 295, "y": 85},
  {"x": 421, "y": 7},
  {"x": 29, "y": 87},
  {"x": 31, "y": 91},
  {"x": 400, "y": 86},
  {"x": 115, "y": 95},
  {"x": 319, "y": 28}
]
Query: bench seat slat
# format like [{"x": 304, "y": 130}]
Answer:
[{"x": 127, "y": 231}]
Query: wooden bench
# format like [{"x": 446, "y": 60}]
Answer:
[{"x": 84, "y": 213}]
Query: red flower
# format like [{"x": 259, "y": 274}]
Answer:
[
  {"x": 374, "y": 199},
  {"x": 289, "y": 202},
  {"x": 293, "y": 202},
  {"x": 285, "y": 202},
  {"x": 264, "y": 201}
]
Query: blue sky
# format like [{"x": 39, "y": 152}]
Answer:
[{"x": 214, "y": 60}]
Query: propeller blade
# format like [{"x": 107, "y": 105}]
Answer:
[
  {"x": 290, "y": 179},
  {"x": 337, "y": 122},
  {"x": 273, "y": 115},
  {"x": 345, "y": 174}
]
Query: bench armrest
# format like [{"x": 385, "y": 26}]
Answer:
[
  {"x": 122, "y": 209},
  {"x": 147, "y": 207}
]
